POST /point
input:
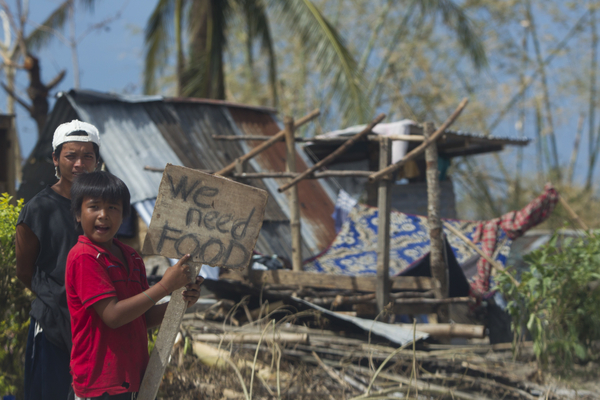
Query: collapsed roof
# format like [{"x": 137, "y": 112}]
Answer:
[{"x": 151, "y": 131}]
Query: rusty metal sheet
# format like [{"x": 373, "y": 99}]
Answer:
[{"x": 316, "y": 206}]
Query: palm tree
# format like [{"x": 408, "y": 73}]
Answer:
[{"x": 200, "y": 72}]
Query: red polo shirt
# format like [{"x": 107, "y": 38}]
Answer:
[{"x": 104, "y": 359}]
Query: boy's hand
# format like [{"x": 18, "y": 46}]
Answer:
[
  {"x": 192, "y": 291},
  {"x": 176, "y": 277}
]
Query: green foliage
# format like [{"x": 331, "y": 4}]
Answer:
[
  {"x": 15, "y": 302},
  {"x": 556, "y": 301}
]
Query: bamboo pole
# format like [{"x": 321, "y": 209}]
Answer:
[
  {"x": 572, "y": 213},
  {"x": 437, "y": 262},
  {"x": 419, "y": 149},
  {"x": 274, "y": 139},
  {"x": 340, "y": 150},
  {"x": 384, "y": 203},
  {"x": 487, "y": 258},
  {"x": 293, "y": 196},
  {"x": 251, "y": 337},
  {"x": 316, "y": 175},
  {"x": 449, "y": 330},
  {"x": 260, "y": 175},
  {"x": 372, "y": 138}
]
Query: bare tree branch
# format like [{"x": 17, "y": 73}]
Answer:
[{"x": 12, "y": 94}]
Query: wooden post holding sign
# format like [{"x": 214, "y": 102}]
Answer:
[
  {"x": 384, "y": 204},
  {"x": 216, "y": 221}
]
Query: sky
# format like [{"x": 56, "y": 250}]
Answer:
[{"x": 110, "y": 60}]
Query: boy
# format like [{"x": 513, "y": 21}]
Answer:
[
  {"x": 109, "y": 299},
  {"x": 44, "y": 237}
]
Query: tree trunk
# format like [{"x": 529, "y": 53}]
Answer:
[{"x": 205, "y": 32}]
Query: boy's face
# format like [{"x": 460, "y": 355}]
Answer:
[
  {"x": 100, "y": 220},
  {"x": 75, "y": 158}
]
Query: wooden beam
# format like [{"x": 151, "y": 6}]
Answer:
[
  {"x": 293, "y": 196},
  {"x": 384, "y": 204},
  {"x": 333, "y": 139},
  {"x": 439, "y": 269},
  {"x": 316, "y": 175},
  {"x": 329, "y": 281},
  {"x": 279, "y": 136},
  {"x": 340, "y": 150},
  {"x": 260, "y": 175},
  {"x": 421, "y": 148},
  {"x": 449, "y": 330}
]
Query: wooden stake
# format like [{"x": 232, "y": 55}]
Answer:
[
  {"x": 274, "y": 139},
  {"x": 419, "y": 149},
  {"x": 384, "y": 203},
  {"x": 572, "y": 213},
  {"x": 339, "y": 151},
  {"x": 293, "y": 196},
  {"x": 165, "y": 340},
  {"x": 487, "y": 258},
  {"x": 439, "y": 269}
]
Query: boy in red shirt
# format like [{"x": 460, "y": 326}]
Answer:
[{"x": 108, "y": 296}]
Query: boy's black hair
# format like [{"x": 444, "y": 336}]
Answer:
[{"x": 102, "y": 185}]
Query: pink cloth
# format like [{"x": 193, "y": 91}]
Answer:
[{"x": 514, "y": 224}]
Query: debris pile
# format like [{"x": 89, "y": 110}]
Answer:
[{"x": 283, "y": 350}]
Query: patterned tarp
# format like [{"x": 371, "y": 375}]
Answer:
[{"x": 354, "y": 250}]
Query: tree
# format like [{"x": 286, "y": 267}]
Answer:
[
  {"x": 201, "y": 71},
  {"x": 15, "y": 22}
]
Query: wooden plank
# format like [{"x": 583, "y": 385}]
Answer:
[
  {"x": 214, "y": 219},
  {"x": 165, "y": 341},
  {"x": 340, "y": 150},
  {"x": 329, "y": 281},
  {"x": 439, "y": 269},
  {"x": 384, "y": 201},
  {"x": 293, "y": 195},
  {"x": 279, "y": 136}
]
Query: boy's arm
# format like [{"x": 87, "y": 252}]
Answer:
[
  {"x": 155, "y": 315},
  {"x": 116, "y": 313}
]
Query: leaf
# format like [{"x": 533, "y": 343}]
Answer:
[
  {"x": 580, "y": 352},
  {"x": 531, "y": 322},
  {"x": 157, "y": 37},
  {"x": 42, "y": 35},
  {"x": 332, "y": 56}
]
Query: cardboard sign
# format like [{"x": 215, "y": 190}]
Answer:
[{"x": 212, "y": 218}]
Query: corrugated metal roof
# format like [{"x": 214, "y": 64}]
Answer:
[{"x": 139, "y": 131}]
